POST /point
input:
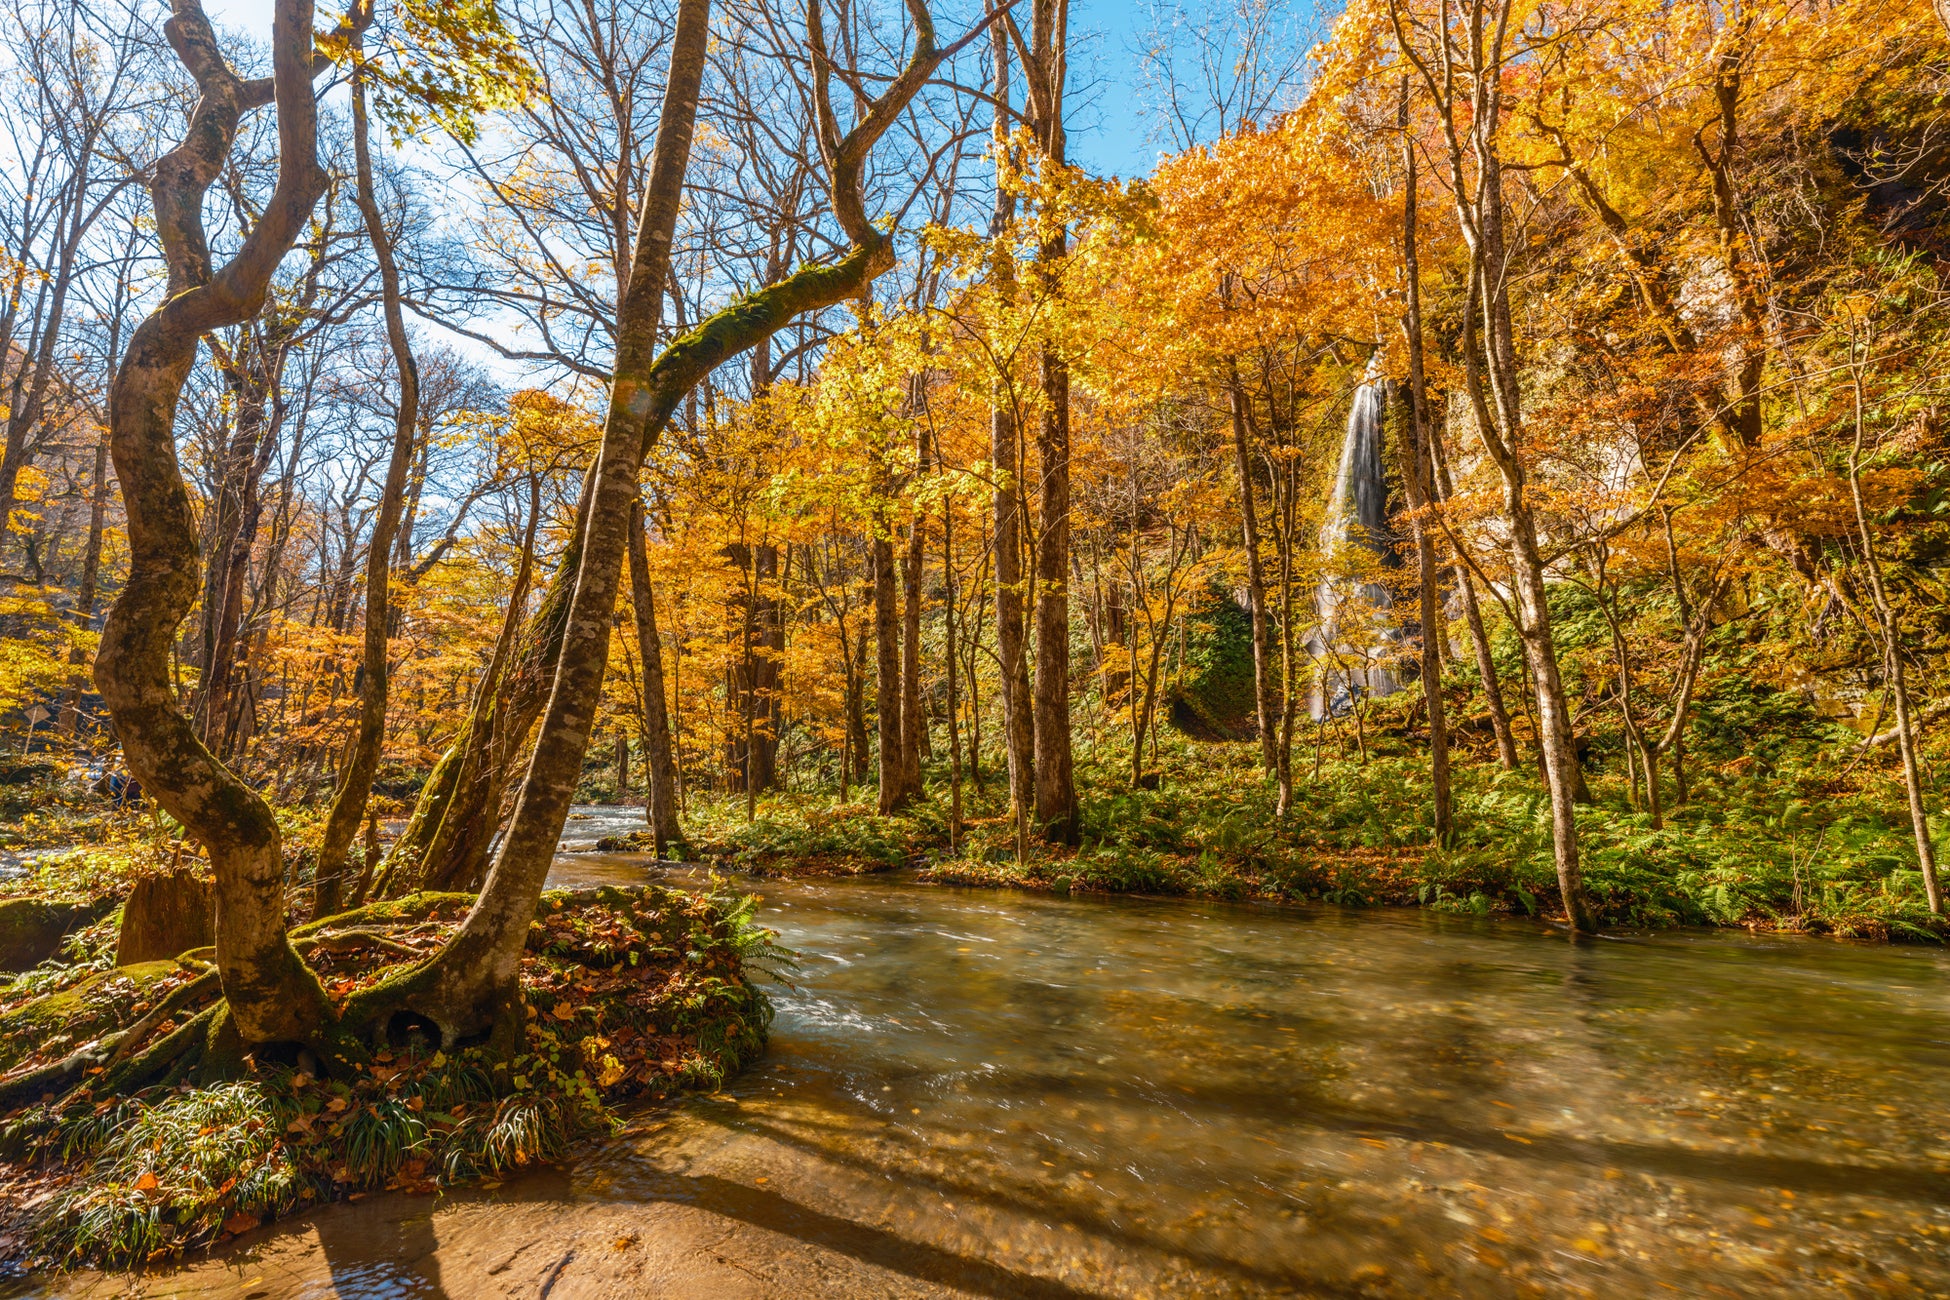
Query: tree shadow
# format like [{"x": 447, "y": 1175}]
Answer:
[{"x": 773, "y": 1212}]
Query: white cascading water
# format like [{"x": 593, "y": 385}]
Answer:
[{"x": 1355, "y": 636}]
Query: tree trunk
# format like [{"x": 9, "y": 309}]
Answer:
[
  {"x": 954, "y": 696},
  {"x": 887, "y": 675},
  {"x": 1418, "y": 482},
  {"x": 272, "y": 995},
  {"x": 1479, "y": 637},
  {"x": 1056, "y": 795},
  {"x": 1005, "y": 453},
  {"x": 1890, "y": 627},
  {"x": 661, "y": 809},
  {"x": 1263, "y": 706},
  {"x": 1492, "y": 379},
  {"x": 445, "y": 845},
  {"x": 84, "y": 601},
  {"x": 766, "y": 677},
  {"x": 913, "y": 723},
  {"x": 355, "y": 779}
]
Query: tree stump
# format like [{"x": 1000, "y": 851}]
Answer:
[{"x": 166, "y": 914}]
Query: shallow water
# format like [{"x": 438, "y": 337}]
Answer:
[{"x": 990, "y": 1094}]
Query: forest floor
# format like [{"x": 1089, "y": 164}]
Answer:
[
  {"x": 632, "y": 994},
  {"x": 1795, "y": 846}
]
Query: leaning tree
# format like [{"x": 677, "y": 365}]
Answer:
[{"x": 469, "y": 986}]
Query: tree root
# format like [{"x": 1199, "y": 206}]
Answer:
[
  {"x": 179, "y": 997},
  {"x": 353, "y": 941}
]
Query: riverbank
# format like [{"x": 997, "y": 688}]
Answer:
[
  {"x": 632, "y": 994},
  {"x": 976, "y": 1093},
  {"x": 1793, "y": 848}
]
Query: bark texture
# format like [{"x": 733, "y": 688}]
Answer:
[{"x": 272, "y": 995}]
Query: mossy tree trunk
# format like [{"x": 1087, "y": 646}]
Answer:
[
  {"x": 272, "y": 995},
  {"x": 445, "y": 843},
  {"x": 470, "y": 984}
]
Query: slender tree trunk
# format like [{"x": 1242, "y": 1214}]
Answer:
[
  {"x": 1890, "y": 627},
  {"x": 1005, "y": 454},
  {"x": 954, "y": 695},
  {"x": 1263, "y": 705},
  {"x": 1496, "y": 364},
  {"x": 913, "y": 723},
  {"x": 765, "y": 701},
  {"x": 661, "y": 810},
  {"x": 1056, "y": 795},
  {"x": 1418, "y": 482},
  {"x": 355, "y": 781},
  {"x": 887, "y": 676},
  {"x": 84, "y": 601}
]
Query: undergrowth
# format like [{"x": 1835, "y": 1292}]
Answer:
[
  {"x": 1788, "y": 841},
  {"x": 631, "y": 994}
]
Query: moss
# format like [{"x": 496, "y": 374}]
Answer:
[
  {"x": 53, "y": 1023},
  {"x": 628, "y": 992},
  {"x": 427, "y": 905},
  {"x": 1216, "y": 700}
]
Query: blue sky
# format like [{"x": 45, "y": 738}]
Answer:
[{"x": 1107, "y": 127}]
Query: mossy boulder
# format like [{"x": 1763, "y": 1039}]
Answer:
[
  {"x": 1215, "y": 700},
  {"x": 31, "y": 929}
]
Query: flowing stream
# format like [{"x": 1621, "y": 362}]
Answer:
[{"x": 990, "y": 1094}]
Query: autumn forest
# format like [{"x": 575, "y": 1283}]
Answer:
[{"x": 1494, "y": 462}]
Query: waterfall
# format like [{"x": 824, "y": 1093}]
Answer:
[{"x": 1355, "y": 630}]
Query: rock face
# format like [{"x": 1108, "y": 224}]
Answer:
[
  {"x": 166, "y": 914},
  {"x": 31, "y": 929}
]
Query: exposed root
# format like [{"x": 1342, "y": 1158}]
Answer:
[{"x": 178, "y": 998}]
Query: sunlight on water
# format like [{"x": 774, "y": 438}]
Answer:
[{"x": 974, "y": 1093}]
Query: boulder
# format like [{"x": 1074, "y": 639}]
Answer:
[
  {"x": 166, "y": 914},
  {"x": 31, "y": 929}
]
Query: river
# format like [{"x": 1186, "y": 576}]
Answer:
[{"x": 973, "y": 1093}]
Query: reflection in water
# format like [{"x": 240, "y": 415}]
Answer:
[{"x": 985, "y": 1094}]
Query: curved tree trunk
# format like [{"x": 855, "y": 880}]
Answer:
[
  {"x": 355, "y": 780},
  {"x": 272, "y": 995}
]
